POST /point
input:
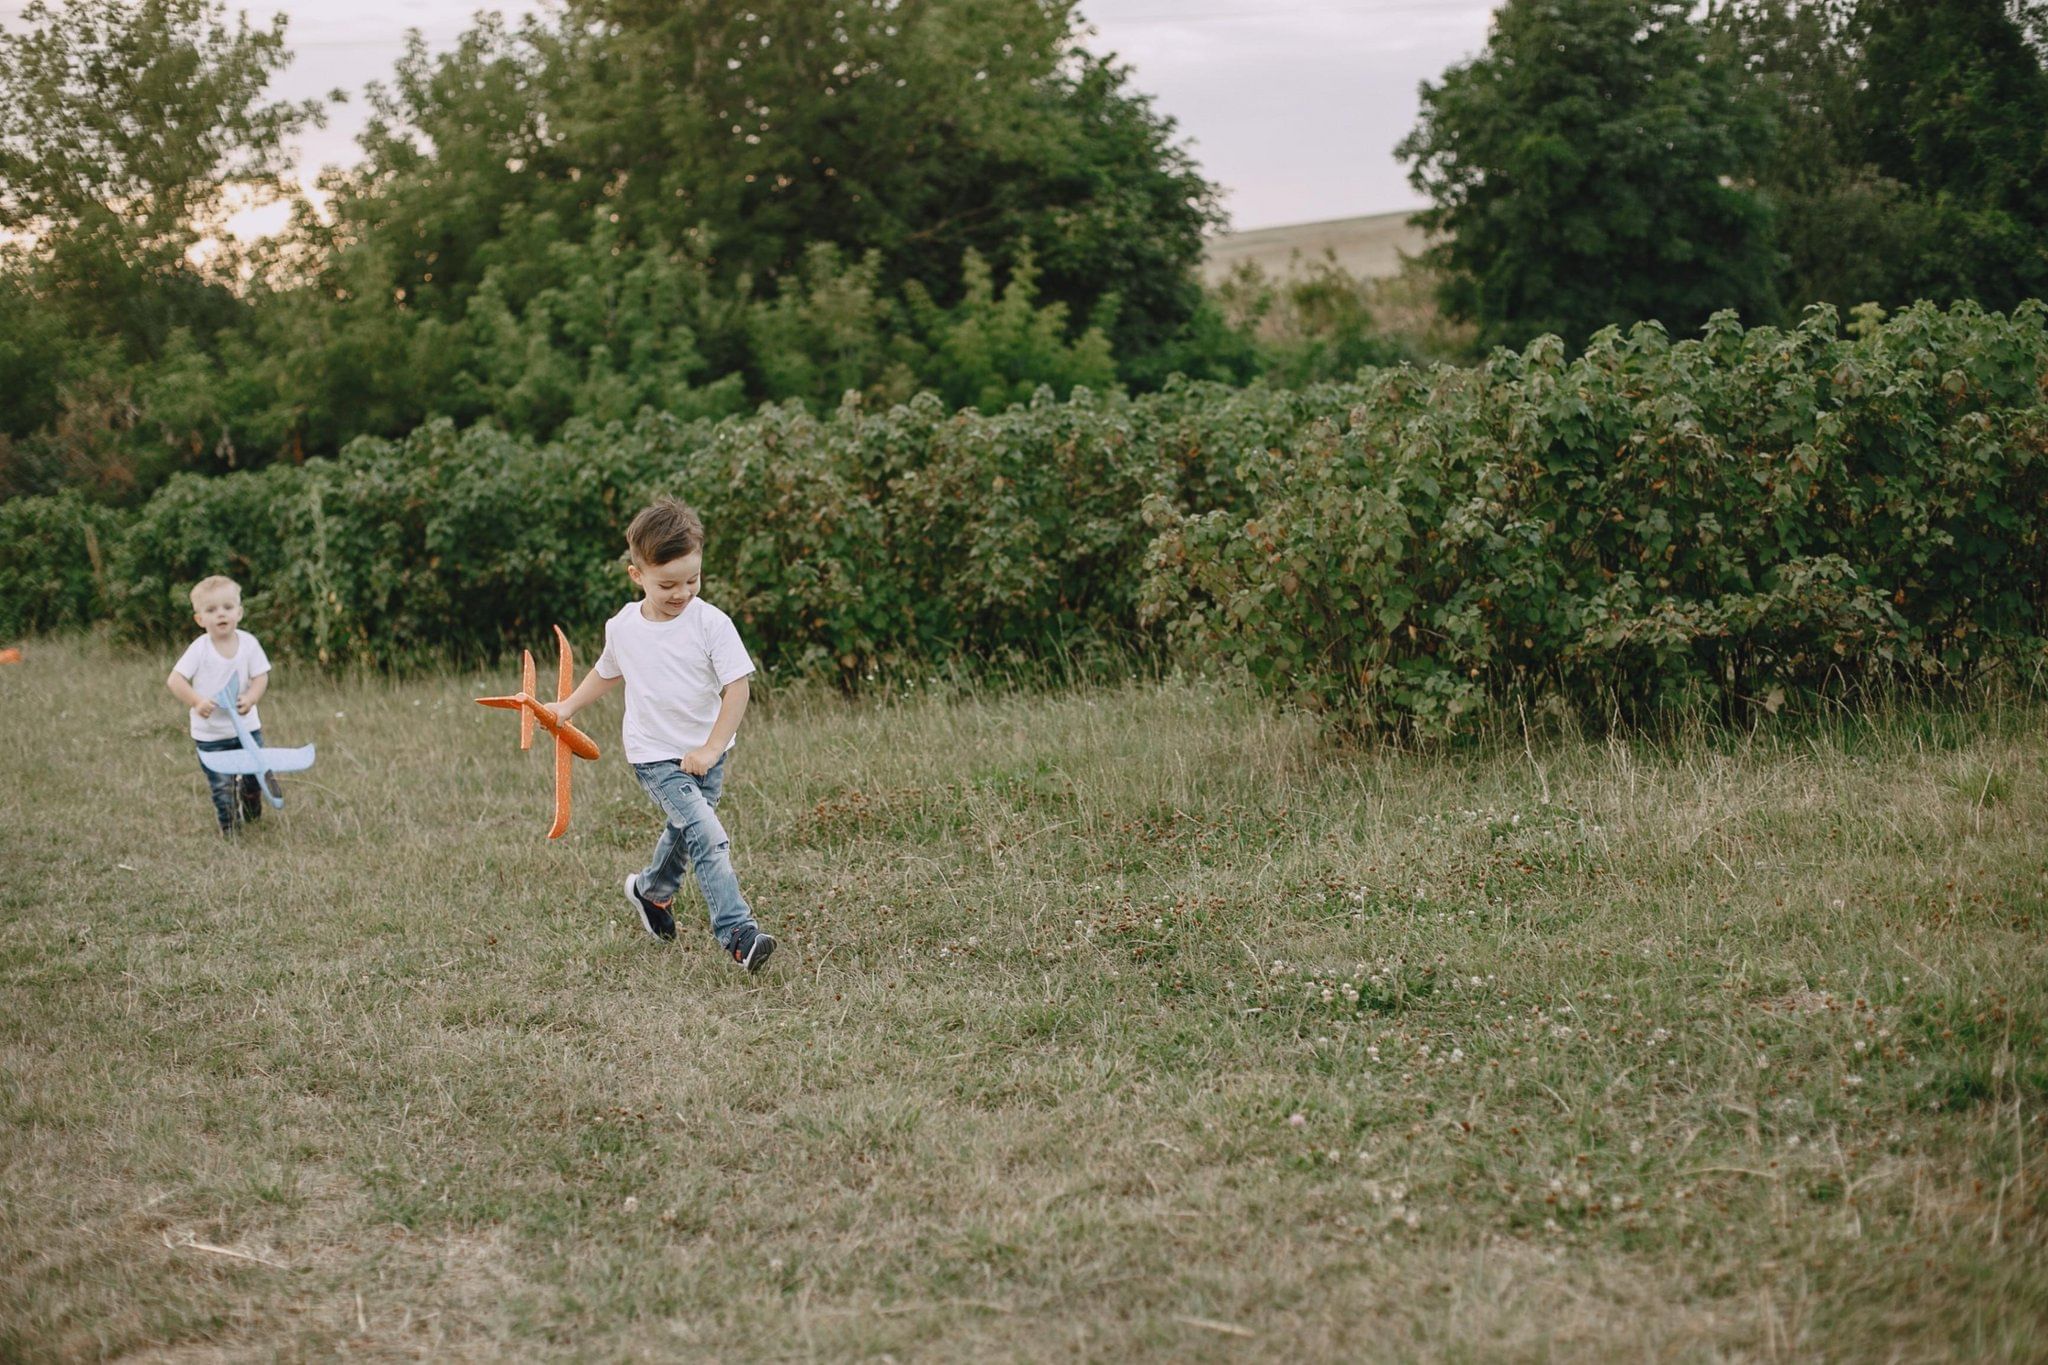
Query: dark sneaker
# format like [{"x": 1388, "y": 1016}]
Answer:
[
  {"x": 656, "y": 918},
  {"x": 750, "y": 947},
  {"x": 252, "y": 802}
]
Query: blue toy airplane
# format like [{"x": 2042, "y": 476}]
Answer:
[{"x": 252, "y": 758}]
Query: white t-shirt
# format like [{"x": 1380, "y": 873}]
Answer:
[
  {"x": 674, "y": 671},
  {"x": 202, "y": 666}
]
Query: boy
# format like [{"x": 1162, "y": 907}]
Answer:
[
  {"x": 685, "y": 673},
  {"x": 224, "y": 651}
]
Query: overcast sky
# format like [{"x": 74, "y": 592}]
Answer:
[{"x": 1293, "y": 106}]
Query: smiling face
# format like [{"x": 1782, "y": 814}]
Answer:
[
  {"x": 218, "y": 611},
  {"x": 668, "y": 588}
]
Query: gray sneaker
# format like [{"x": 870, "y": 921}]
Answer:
[
  {"x": 656, "y": 918},
  {"x": 750, "y": 947}
]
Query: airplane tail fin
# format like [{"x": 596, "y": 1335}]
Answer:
[{"x": 526, "y": 686}]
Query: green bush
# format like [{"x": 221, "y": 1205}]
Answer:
[
  {"x": 1723, "y": 520},
  {"x": 1729, "y": 520},
  {"x": 867, "y": 541},
  {"x": 53, "y": 567}
]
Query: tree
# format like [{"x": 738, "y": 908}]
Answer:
[
  {"x": 1795, "y": 67},
  {"x": 1953, "y": 102},
  {"x": 1907, "y": 156},
  {"x": 123, "y": 129},
  {"x": 918, "y": 130},
  {"x": 1581, "y": 170}
]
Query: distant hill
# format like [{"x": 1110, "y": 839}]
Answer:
[{"x": 1370, "y": 247}]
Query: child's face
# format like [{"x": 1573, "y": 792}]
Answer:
[
  {"x": 669, "y": 587},
  {"x": 218, "y": 612}
]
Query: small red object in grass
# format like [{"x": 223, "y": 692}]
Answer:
[
  {"x": 569, "y": 741},
  {"x": 10, "y": 655}
]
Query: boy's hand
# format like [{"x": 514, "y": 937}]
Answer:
[
  {"x": 204, "y": 709},
  {"x": 698, "y": 762},
  {"x": 244, "y": 705}
]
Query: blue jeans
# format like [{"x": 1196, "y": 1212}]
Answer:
[
  {"x": 693, "y": 840},
  {"x": 225, "y": 786}
]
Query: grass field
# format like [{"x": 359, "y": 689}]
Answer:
[
  {"x": 1115, "y": 1024},
  {"x": 1370, "y": 247}
]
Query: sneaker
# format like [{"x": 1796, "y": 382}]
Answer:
[
  {"x": 657, "y": 918},
  {"x": 750, "y": 947},
  {"x": 252, "y": 803}
]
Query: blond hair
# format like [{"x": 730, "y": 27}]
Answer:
[{"x": 208, "y": 584}]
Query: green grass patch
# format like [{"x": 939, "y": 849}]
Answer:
[{"x": 1131, "y": 1023}]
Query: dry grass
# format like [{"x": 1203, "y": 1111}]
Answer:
[
  {"x": 1725, "y": 1049},
  {"x": 1371, "y": 247}
]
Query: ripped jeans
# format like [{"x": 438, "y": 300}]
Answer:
[{"x": 693, "y": 840}]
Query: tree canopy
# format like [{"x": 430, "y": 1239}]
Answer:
[
  {"x": 623, "y": 205},
  {"x": 620, "y": 204},
  {"x": 124, "y": 130},
  {"x": 124, "y": 127},
  {"x": 1580, "y": 169},
  {"x": 1908, "y": 155}
]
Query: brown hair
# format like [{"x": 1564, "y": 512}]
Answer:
[{"x": 665, "y": 530}]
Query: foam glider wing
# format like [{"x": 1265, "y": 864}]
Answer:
[
  {"x": 252, "y": 759},
  {"x": 570, "y": 742}
]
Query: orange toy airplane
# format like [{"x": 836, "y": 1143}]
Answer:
[{"x": 568, "y": 739}]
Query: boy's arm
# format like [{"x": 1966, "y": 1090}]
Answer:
[
  {"x": 732, "y": 705},
  {"x": 181, "y": 688},
  {"x": 258, "y": 685},
  {"x": 593, "y": 686}
]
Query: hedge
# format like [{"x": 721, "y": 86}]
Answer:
[{"x": 1736, "y": 518}]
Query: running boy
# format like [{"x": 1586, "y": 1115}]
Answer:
[
  {"x": 686, "y": 673},
  {"x": 224, "y": 651}
]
